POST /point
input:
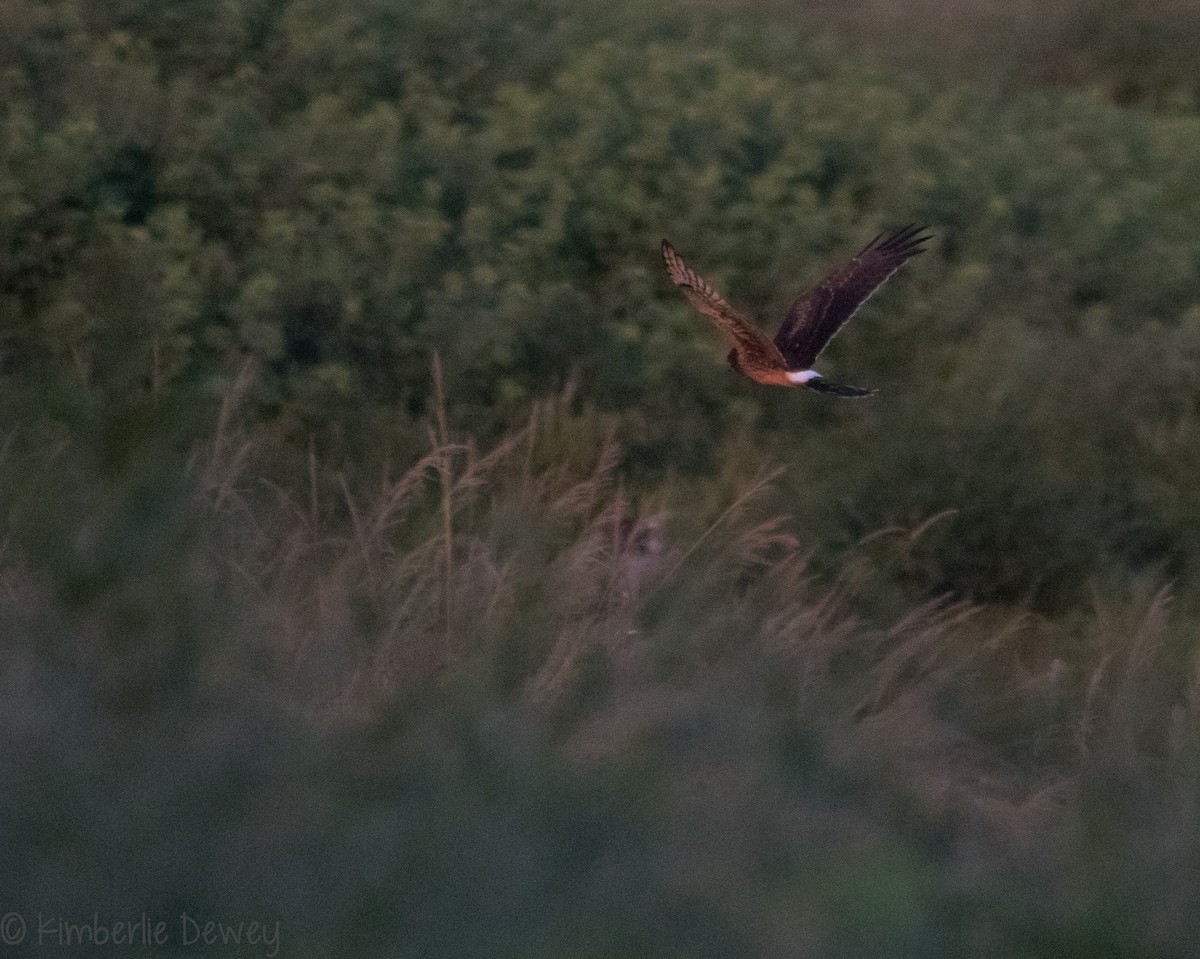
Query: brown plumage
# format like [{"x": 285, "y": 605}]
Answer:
[{"x": 813, "y": 319}]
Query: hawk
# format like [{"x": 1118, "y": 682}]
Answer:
[{"x": 813, "y": 319}]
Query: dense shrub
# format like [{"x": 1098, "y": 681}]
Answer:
[{"x": 338, "y": 195}]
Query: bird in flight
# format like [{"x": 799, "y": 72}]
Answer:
[{"x": 813, "y": 319}]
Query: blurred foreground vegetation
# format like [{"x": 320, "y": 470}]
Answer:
[{"x": 387, "y": 550}]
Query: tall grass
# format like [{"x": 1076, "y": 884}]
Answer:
[{"x": 490, "y": 705}]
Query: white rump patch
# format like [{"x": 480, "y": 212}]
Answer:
[{"x": 802, "y": 376}]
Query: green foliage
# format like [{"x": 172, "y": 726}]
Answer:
[{"x": 338, "y": 195}]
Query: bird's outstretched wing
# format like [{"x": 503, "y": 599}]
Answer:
[
  {"x": 817, "y": 314},
  {"x": 755, "y": 348}
]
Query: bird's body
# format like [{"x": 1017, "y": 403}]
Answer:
[{"x": 813, "y": 319}]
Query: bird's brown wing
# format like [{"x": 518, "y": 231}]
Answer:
[
  {"x": 817, "y": 314},
  {"x": 755, "y": 349}
]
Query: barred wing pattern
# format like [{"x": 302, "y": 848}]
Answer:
[
  {"x": 756, "y": 350},
  {"x": 817, "y": 314}
]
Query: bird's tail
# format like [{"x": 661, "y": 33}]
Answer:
[{"x": 822, "y": 385}]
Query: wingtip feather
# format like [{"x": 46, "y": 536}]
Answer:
[
  {"x": 871, "y": 245},
  {"x": 670, "y": 259},
  {"x": 906, "y": 241}
]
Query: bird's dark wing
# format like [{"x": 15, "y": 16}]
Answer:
[
  {"x": 817, "y": 314},
  {"x": 755, "y": 348}
]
